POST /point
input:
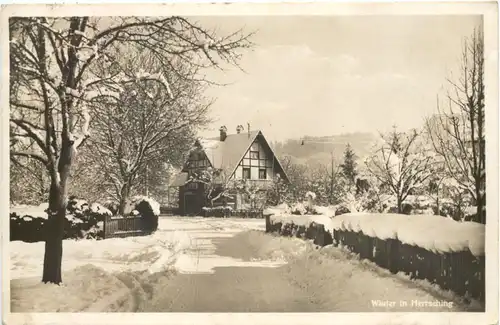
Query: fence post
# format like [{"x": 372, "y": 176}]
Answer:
[
  {"x": 393, "y": 255},
  {"x": 105, "y": 225},
  {"x": 268, "y": 223}
]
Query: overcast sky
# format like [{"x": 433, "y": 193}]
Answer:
[{"x": 322, "y": 75}]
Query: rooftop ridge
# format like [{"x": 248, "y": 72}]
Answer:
[{"x": 232, "y": 135}]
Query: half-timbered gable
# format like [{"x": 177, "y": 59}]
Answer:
[{"x": 240, "y": 156}]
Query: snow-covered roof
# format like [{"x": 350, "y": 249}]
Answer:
[{"x": 226, "y": 155}]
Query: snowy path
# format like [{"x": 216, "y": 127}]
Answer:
[{"x": 231, "y": 268}]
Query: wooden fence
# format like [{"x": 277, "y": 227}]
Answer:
[
  {"x": 460, "y": 272},
  {"x": 220, "y": 213},
  {"x": 115, "y": 226},
  {"x": 169, "y": 211}
]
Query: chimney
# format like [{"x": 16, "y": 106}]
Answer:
[
  {"x": 248, "y": 129},
  {"x": 239, "y": 128},
  {"x": 223, "y": 133}
]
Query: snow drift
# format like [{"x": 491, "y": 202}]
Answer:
[{"x": 86, "y": 288}]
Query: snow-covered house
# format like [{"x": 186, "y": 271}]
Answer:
[{"x": 240, "y": 156}]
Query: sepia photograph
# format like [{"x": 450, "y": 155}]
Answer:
[{"x": 251, "y": 162}]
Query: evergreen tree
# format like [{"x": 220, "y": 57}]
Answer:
[{"x": 349, "y": 165}]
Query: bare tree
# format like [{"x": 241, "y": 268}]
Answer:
[
  {"x": 297, "y": 187},
  {"x": 400, "y": 164},
  {"x": 52, "y": 87},
  {"x": 88, "y": 179},
  {"x": 147, "y": 124},
  {"x": 458, "y": 131},
  {"x": 28, "y": 181},
  {"x": 437, "y": 183}
]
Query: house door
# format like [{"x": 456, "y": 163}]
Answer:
[{"x": 192, "y": 204}]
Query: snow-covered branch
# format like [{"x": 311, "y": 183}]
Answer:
[{"x": 32, "y": 155}]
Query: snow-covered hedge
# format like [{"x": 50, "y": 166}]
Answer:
[
  {"x": 149, "y": 210},
  {"x": 433, "y": 233},
  {"x": 26, "y": 222},
  {"x": 278, "y": 210},
  {"x": 82, "y": 221}
]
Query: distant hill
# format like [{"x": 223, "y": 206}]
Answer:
[{"x": 318, "y": 150}]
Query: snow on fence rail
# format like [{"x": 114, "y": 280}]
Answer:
[{"x": 440, "y": 250}]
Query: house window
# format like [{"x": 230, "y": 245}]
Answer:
[
  {"x": 192, "y": 186},
  {"x": 246, "y": 173},
  {"x": 262, "y": 174},
  {"x": 254, "y": 155}
]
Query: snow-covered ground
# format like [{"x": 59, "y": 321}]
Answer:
[
  {"x": 153, "y": 253},
  {"x": 85, "y": 288},
  {"x": 362, "y": 286},
  {"x": 183, "y": 244},
  {"x": 175, "y": 237},
  {"x": 94, "y": 270},
  {"x": 200, "y": 257}
]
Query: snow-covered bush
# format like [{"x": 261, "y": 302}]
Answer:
[
  {"x": 82, "y": 221},
  {"x": 279, "y": 209},
  {"x": 26, "y": 223},
  {"x": 342, "y": 210},
  {"x": 299, "y": 209},
  {"x": 310, "y": 196},
  {"x": 83, "y": 218},
  {"x": 149, "y": 210},
  {"x": 328, "y": 211},
  {"x": 111, "y": 206}
]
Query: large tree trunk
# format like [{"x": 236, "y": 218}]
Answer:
[
  {"x": 54, "y": 228},
  {"x": 400, "y": 205},
  {"x": 54, "y": 232},
  {"x": 124, "y": 196}
]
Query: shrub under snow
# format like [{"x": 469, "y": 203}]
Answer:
[
  {"x": 278, "y": 210},
  {"x": 153, "y": 204},
  {"x": 82, "y": 221},
  {"x": 148, "y": 209},
  {"x": 433, "y": 233}
]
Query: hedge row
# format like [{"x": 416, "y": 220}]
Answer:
[
  {"x": 314, "y": 231},
  {"x": 83, "y": 221}
]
